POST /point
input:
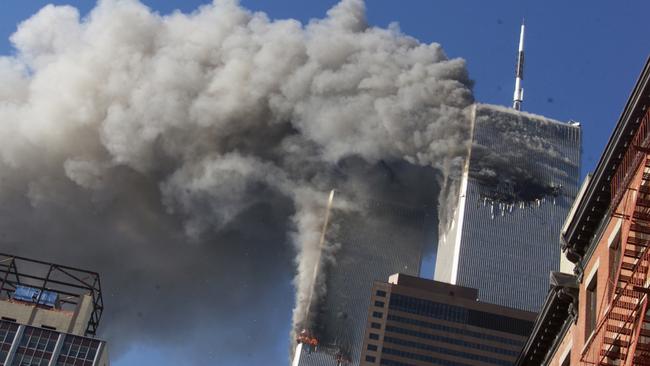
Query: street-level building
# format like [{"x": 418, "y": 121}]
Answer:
[
  {"x": 49, "y": 314},
  {"x": 417, "y": 322},
  {"x": 598, "y": 316}
]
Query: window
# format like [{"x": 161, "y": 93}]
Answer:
[
  {"x": 381, "y": 293},
  {"x": 460, "y": 314},
  {"x": 439, "y": 339},
  {"x": 375, "y": 325},
  {"x": 370, "y": 358},
  {"x": 374, "y": 336},
  {"x": 614, "y": 261},
  {"x": 36, "y": 346},
  {"x": 379, "y": 304},
  {"x": 377, "y": 314},
  {"x": 76, "y": 350},
  {"x": 591, "y": 306},
  {"x": 372, "y": 347}
]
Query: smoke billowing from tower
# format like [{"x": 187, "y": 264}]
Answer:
[{"x": 185, "y": 148}]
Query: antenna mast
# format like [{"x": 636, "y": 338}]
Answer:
[{"x": 519, "y": 76}]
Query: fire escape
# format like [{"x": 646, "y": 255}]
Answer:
[{"x": 622, "y": 333}]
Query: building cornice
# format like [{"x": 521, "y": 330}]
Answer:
[
  {"x": 594, "y": 205},
  {"x": 553, "y": 321}
]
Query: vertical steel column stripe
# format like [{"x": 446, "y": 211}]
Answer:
[
  {"x": 100, "y": 349},
  {"x": 14, "y": 345},
  {"x": 57, "y": 350}
]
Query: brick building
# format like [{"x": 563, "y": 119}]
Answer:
[{"x": 598, "y": 314}]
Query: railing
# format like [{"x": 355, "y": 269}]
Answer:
[
  {"x": 617, "y": 333},
  {"x": 631, "y": 160},
  {"x": 613, "y": 336}
]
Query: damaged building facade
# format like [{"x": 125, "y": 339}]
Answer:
[{"x": 516, "y": 190}]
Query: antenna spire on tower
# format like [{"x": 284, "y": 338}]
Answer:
[{"x": 519, "y": 76}]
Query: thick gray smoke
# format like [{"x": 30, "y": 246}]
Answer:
[{"x": 188, "y": 157}]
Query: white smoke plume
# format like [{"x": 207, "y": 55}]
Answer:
[{"x": 196, "y": 145}]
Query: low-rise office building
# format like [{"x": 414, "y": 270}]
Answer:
[{"x": 414, "y": 321}]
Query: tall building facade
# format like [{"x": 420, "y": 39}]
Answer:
[
  {"x": 380, "y": 239},
  {"x": 414, "y": 321},
  {"x": 49, "y": 314},
  {"x": 515, "y": 192},
  {"x": 600, "y": 315}
]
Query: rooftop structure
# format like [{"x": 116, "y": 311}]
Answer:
[{"x": 49, "y": 313}]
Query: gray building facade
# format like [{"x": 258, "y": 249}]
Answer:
[{"x": 516, "y": 190}]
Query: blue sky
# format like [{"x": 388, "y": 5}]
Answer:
[{"x": 582, "y": 59}]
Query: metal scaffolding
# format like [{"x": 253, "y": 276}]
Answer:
[{"x": 70, "y": 283}]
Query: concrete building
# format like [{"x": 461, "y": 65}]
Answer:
[
  {"x": 598, "y": 315},
  {"x": 382, "y": 238},
  {"x": 418, "y": 322},
  {"x": 516, "y": 190},
  {"x": 49, "y": 314}
]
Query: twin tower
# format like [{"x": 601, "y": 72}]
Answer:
[{"x": 501, "y": 235}]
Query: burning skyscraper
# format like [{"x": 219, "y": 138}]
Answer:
[{"x": 370, "y": 238}]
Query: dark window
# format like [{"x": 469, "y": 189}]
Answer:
[
  {"x": 387, "y": 362},
  {"x": 76, "y": 350},
  {"x": 614, "y": 260},
  {"x": 459, "y": 314},
  {"x": 36, "y": 346},
  {"x": 381, "y": 293},
  {"x": 375, "y": 325},
  {"x": 590, "y": 306},
  {"x": 454, "y": 330},
  {"x": 379, "y": 304},
  {"x": 370, "y": 358},
  {"x": 427, "y": 347},
  {"x": 7, "y": 334},
  {"x": 377, "y": 314},
  {"x": 439, "y": 339},
  {"x": 372, "y": 347},
  {"x": 374, "y": 336}
]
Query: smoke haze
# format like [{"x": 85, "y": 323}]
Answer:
[{"x": 188, "y": 157}]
